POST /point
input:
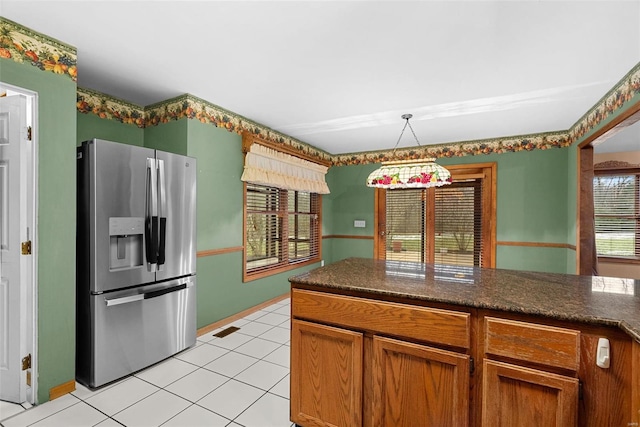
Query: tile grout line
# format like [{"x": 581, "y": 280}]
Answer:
[{"x": 273, "y": 310}]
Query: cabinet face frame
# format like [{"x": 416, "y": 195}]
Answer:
[
  {"x": 532, "y": 342},
  {"x": 317, "y": 353},
  {"x": 446, "y": 402},
  {"x": 497, "y": 376}
]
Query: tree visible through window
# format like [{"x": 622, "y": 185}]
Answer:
[
  {"x": 617, "y": 215},
  {"x": 452, "y": 224},
  {"x": 282, "y": 229}
]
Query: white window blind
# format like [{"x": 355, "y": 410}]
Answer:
[{"x": 617, "y": 215}]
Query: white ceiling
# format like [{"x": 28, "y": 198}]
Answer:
[{"x": 339, "y": 74}]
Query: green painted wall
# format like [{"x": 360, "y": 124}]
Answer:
[
  {"x": 220, "y": 164},
  {"x": 56, "y": 216},
  {"x": 90, "y": 125},
  {"x": 340, "y": 249},
  {"x": 170, "y": 136},
  {"x": 532, "y": 258},
  {"x": 221, "y": 292},
  {"x": 350, "y": 199},
  {"x": 532, "y": 206}
]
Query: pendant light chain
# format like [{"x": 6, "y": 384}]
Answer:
[
  {"x": 406, "y": 117},
  {"x": 414, "y": 134},
  {"x": 410, "y": 173}
]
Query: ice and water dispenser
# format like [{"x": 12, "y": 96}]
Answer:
[{"x": 126, "y": 237}]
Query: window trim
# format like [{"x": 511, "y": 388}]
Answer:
[
  {"x": 617, "y": 169},
  {"x": 488, "y": 173},
  {"x": 290, "y": 265}
]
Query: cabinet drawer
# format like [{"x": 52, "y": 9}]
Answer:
[
  {"x": 445, "y": 327},
  {"x": 546, "y": 345}
]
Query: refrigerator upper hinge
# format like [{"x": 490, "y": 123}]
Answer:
[
  {"x": 29, "y": 133},
  {"x": 26, "y": 247},
  {"x": 26, "y": 362}
]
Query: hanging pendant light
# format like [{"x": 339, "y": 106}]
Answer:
[{"x": 418, "y": 173}]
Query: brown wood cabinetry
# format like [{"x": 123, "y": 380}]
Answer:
[
  {"x": 518, "y": 396},
  {"x": 419, "y": 385},
  {"x": 359, "y": 361},
  {"x": 396, "y": 382},
  {"x": 326, "y": 375}
]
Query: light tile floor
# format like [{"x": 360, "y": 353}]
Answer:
[{"x": 239, "y": 380}]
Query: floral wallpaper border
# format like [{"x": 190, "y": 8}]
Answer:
[
  {"x": 23, "y": 45},
  {"x": 623, "y": 92},
  {"x": 542, "y": 141},
  {"x": 110, "y": 108},
  {"x": 184, "y": 106},
  {"x": 191, "y": 107}
]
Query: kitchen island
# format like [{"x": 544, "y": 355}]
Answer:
[{"x": 384, "y": 343}]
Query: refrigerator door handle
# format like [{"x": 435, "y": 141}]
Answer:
[
  {"x": 123, "y": 300},
  {"x": 147, "y": 295},
  {"x": 161, "y": 292},
  {"x": 162, "y": 213},
  {"x": 151, "y": 220}
]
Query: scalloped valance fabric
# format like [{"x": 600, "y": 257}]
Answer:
[{"x": 265, "y": 166}]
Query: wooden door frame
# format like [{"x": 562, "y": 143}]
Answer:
[
  {"x": 488, "y": 173},
  {"x": 585, "y": 233}
]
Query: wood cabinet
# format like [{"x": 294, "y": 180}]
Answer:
[
  {"x": 416, "y": 385},
  {"x": 518, "y": 396},
  {"x": 395, "y": 382},
  {"x": 358, "y": 361},
  {"x": 326, "y": 375}
]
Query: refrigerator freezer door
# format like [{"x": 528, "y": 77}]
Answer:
[
  {"x": 116, "y": 178},
  {"x": 177, "y": 218},
  {"x": 136, "y": 328}
]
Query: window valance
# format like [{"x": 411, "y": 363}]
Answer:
[{"x": 266, "y": 166}]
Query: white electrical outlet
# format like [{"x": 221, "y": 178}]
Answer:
[{"x": 359, "y": 223}]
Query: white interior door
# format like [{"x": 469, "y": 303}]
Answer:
[{"x": 13, "y": 230}]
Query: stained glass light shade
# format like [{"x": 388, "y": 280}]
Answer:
[{"x": 423, "y": 173}]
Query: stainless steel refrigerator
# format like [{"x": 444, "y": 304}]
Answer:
[{"x": 136, "y": 259}]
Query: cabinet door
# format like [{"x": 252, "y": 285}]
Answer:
[
  {"x": 326, "y": 375},
  {"x": 419, "y": 386},
  {"x": 517, "y": 396}
]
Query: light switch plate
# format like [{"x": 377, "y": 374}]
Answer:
[{"x": 359, "y": 223}]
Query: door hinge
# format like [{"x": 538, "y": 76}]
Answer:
[
  {"x": 29, "y": 133},
  {"x": 580, "y": 391},
  {"x": 26, "y": 247},
  {"x": 26, "y": 362},
  {"x": 29, "y": 378},
  {"x": 472, "y": 366}
]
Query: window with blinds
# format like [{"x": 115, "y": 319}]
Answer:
[
  {"x": 406, "y": 225},
  {"x": 456, "y": 233},
  {"x": 282, "y": 229},
  {"x": 616, "y": 201},
  {"x": 452, "y": 224},
  {"x": 458, "y": 223}
]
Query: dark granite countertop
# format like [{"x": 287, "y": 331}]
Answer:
[{"x": 596, "y": 300}]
